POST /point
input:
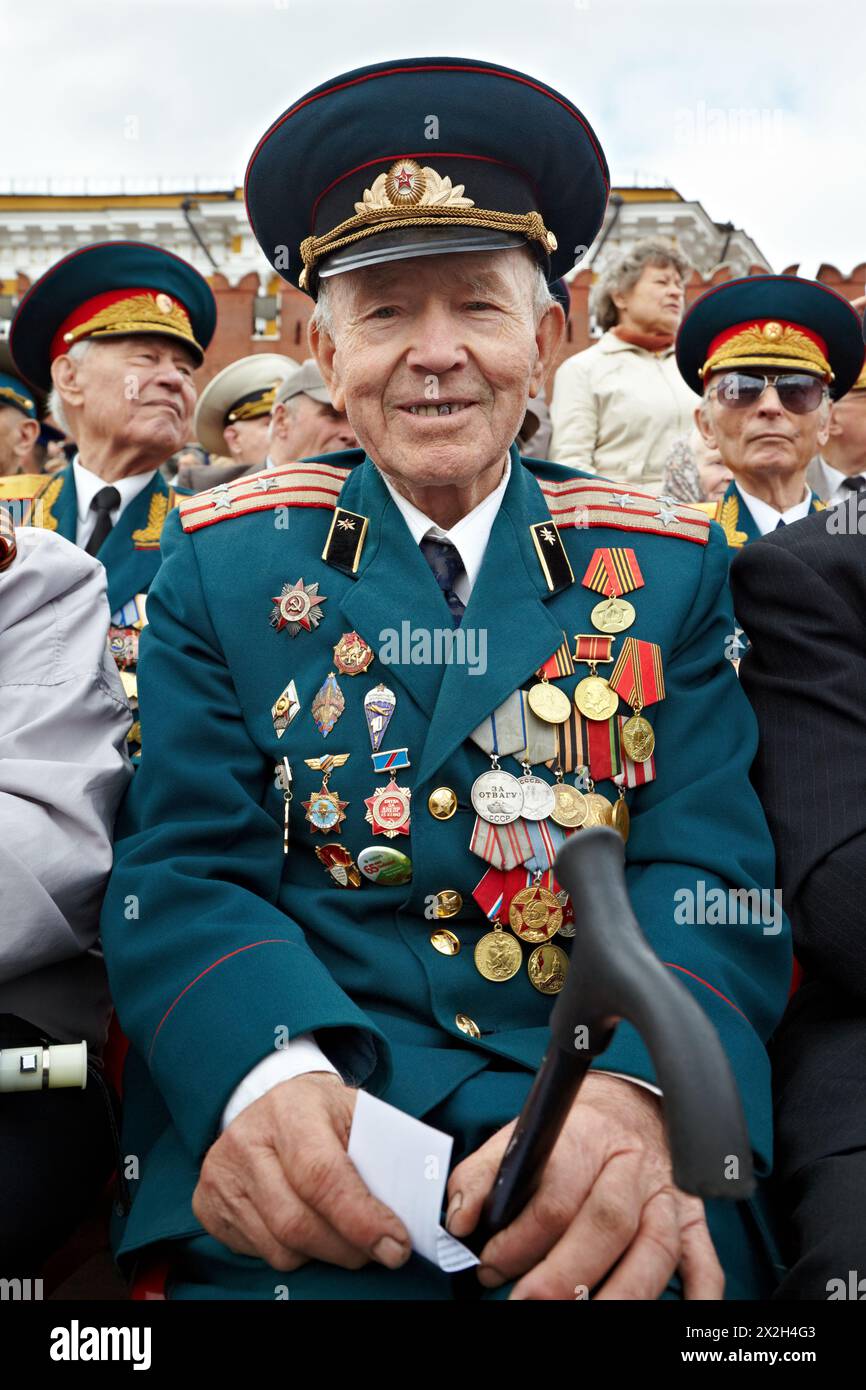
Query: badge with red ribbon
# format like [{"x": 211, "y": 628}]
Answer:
[{"x": 638, "y": 677}]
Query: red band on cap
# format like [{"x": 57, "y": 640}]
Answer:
[
  {"x": 729, "y": 333},
  {"x": 96, "y": 305}
]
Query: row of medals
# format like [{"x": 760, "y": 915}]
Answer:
[{"x": 535, "y": 913}]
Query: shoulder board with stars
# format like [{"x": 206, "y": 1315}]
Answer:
[
  {"x": 293, "y": 485},
  {"x": 583, "y": 502}
]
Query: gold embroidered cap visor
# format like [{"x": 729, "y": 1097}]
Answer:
[
  {"x": 110, "y": 289},
  {"x": 351, "y": 175},
  {"x": 772, "y": 322}
]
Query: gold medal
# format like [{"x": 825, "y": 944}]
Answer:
[
  {"x": 613, "y": 615},
  {"x": 498, "y": 956},
  {"x": 595, "y": 699},
  {"x": 535, "y": 914},
  {"x": 638, "y": 738},
  {"x": 621, "y": 820},
  {"x": 549, "y": 702},
  {"x": 598, "y": 809},
  {"x": 570, "y": 810},
  {"x": 548, "y": 966}
]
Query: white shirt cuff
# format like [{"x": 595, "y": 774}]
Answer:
[
  {"x": 647, "y": 1085},
  {"x": 301, "y": 1055}
]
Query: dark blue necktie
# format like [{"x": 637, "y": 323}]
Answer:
[
  {"x": 443, "y": 557},
  {"x": 779, "y": 523}
]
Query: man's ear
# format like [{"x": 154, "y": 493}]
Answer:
[
  {"x": 28, "y": 433},
  {"x": 233, "y": 443},
  {"x": 825, "y": 430},
  {"x": 279, "y": 420},
  {"x": 834, "y": 429},
  {"x": 324, "y": 350},
  {"x": 548, "y": 337},
  {"x": 704, "y": 422},
  {"x": 64, "y": 375}
]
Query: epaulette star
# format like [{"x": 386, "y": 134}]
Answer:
[
  {"x": 222, "y": 499},
  {"x": 666, "y": 516}
]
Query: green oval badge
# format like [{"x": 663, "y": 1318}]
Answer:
[{"x": 385, "y": 865}]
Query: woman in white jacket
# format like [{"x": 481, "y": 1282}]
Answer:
[{"x": 618, "y": 405}]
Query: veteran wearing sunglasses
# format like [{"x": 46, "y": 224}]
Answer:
[{"x": 768, "y": 353}]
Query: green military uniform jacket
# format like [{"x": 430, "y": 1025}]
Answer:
[
  {"x": 218, "y": 944},
  {"x": 735, "y": 519},
  {"x": 130, "y": 551}
]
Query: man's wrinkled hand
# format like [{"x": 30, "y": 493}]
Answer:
[
  {"x": 606, "y": 1198},
  {"x": 278, "y": 1183}
]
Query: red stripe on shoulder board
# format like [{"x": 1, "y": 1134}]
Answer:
[
  {"x": 693, "y": 976},
  {"x": 267, "y": 941}
]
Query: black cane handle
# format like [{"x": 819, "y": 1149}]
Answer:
[{"x": 614, "y": 974}]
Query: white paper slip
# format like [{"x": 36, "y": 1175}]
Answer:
[{"x": 405, "y": 1163}]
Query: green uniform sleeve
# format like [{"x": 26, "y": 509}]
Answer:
[{"x": 207, "y": 972}]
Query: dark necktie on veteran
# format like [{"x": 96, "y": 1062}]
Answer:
[
  {"x": 855, "y": 484},
  {"x": 106, "y": 499},
  {"x": 443, "y": 557}
]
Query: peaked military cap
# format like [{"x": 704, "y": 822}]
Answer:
[
  {"x": 110, "y": 289},
  {"x": 13, "y": 391},
  {"x": 244, "y": 390},
  {"x": 422, "y": 156},
  {"x": 776, "y": 322}
]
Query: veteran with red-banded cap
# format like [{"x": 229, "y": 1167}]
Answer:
[
  {"x": 392, "y": 681},
  {"x": 767, "y": 353},
  {"x": 115, "y": 332}
]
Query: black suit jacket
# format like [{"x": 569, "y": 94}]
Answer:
[{"x": 800, "y": 595}]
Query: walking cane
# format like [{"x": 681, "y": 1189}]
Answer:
[{"x": 614, "y": 974}]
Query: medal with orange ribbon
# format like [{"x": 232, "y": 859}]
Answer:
[
  {"x": 613, "y": 571},
  {"x": 638, "y": 677}
]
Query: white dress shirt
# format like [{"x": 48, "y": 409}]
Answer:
[
  {"x": 87, "y": 485},
  {"x": 63, "y": 769},
  {"x": 470, "y": 536},
  {"x": 766, "y": 518}
]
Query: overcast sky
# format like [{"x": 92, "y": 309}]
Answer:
[{"x": 755, "y": 107}]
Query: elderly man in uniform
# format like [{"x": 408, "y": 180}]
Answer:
[
  {"x": 802, "y": 595},
  {"x": 233, "y": 417},
  {"x": 840, "y": 468},
  {"x": 768, "y": 352},
  {"x": 63, "y": 770},
  {"x": 299, "y": 422},
  {"x": 362, "y": 827},
  {"x": 115, "y": 331},
  {"x": 19, "y": 426},
  {"x": 305, "y": 424}
]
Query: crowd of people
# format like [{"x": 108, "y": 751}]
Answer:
[{"x": 190, "y": 588}]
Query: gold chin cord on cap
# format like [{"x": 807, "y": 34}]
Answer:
[{"x": 527, "y": 224}]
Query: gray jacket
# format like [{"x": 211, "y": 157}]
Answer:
[{"x": 63, "y": 769}]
